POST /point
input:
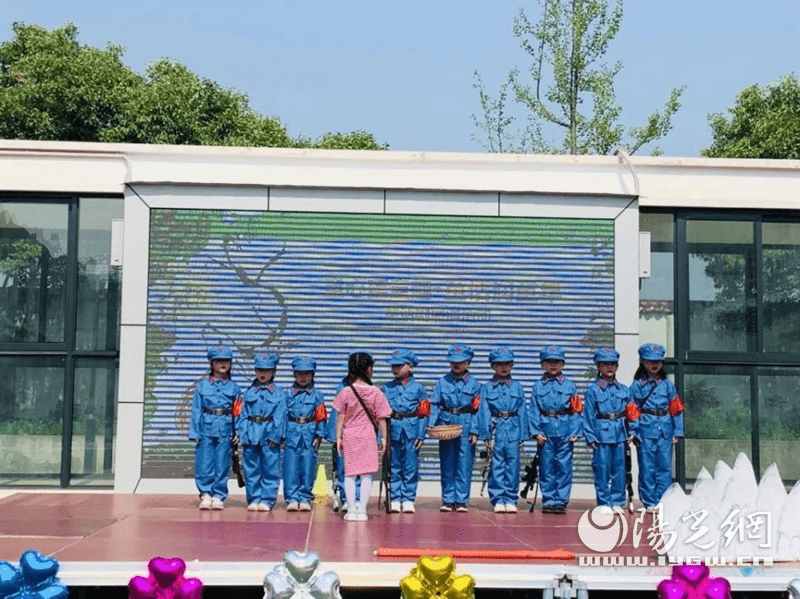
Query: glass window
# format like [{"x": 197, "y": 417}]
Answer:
[
  {"x": 656, "y": 294},
  {"x": 33, "y": 259},
  {"x": 93, "y": 422},
  {"x": 717, "y": 417},
  {"x": 31, "y": 413},
  {"x": 781, "y": 264},
  {"x": 779, "y": 420},
  {"x": 98, "y": 281},
  {"x": 721, "y": 285}
]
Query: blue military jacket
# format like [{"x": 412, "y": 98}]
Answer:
[
  {"x": 503, "y": 410},
  {"x": 458, "y": 393},
  {"x": 658, "y": 393},
  {"x": 605, "y": 399},
  {"x": 330, "y": 428},
  {"x": 553, "y": 394},
  {"x": 404, "y": 397},
  {"x": 302, "y": 403},
  {"x": 213, "y": 394},
  {"x": 262, "y": 401}
]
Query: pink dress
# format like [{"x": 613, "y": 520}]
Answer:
[{"x": 358, "y": 434}]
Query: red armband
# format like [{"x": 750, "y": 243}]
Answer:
[
  {"x": 321, "y": 413},
  {"x": 424, "y": 408},
  {"x": 236, "y": 410},
  {"x": 632, "y": 411},
  {"x": 476, "y": 403},
  {"x": 676, "y": 406},
  {"x": 576, "y": 404}
]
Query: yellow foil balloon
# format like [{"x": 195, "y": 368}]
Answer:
[{"x": 434, "y": 578}]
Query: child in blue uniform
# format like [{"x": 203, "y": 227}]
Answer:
[
  {"x": 212, "y": 427},
  {"x": 409, "y": 419},
  {"x": 504, "y": 414},
  {"x": 260, "y": 428},
  {"x": 555, "y": 423},
  {"x": 604, "y": 430},
  {"x": 305, "y": 427},
  {"x": 656, "y": 425},
  {"x": 456, "y": 399}
]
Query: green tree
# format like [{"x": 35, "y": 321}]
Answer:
[
  {"x": 567, "y": 45},
  {"x": 54, "y": 88},
  {"x": 764, "y": 123}
]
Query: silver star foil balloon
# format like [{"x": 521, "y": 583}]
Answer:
[
  {"x": 296, "y": 579},
  {"x": 794, "y": 589}
]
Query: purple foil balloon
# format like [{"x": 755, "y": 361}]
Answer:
[
  {"x": 165, "y": 581},
  {"x": 693, "y": 582}
]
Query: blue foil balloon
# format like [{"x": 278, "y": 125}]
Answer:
[{"x": 36, "y": 578}]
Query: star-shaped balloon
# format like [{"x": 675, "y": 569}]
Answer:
[
  {"x": 296, "y": 579},
  {"x": 693, "y": 582},
  {"x": 165, "y": 581},
  {"x": 34, "y": 579},
  {"x": 434, "y": 578}
]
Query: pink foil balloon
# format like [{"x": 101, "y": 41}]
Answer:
[
  {"x": 165, "y": 581},
  {"x": 693, "y": 582}
]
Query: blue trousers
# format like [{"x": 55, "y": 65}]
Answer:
[
  {"x": 405, "y": 470},
  {"x": 608, "y": 464},
  {"x": 456, "y": 457},
  {"x": 655, "y": 469},
  {"x": 299, "y": 469},
  {"x": 555, "y": 470},
  {"x": 212, "y": 466},
  {"x": 503, "y": 481},
  {"x": 261, "y": 473}
]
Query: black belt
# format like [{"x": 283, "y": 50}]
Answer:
[
  {"x": 411, "y": 414},
  {"x": 462, "y": 410},
  {"x": 217, "y": 411},
  {"x": 260, "y": 418},
  {"x": 614, "y": 416},
  {"x": 503, "y": 414},
  {"x": 656, "y": 412},
  {"x": 559, "y": 412},
  {"x": 301, "y": 419}
]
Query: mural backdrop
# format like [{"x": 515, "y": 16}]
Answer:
[{"x": 326, "y": 284}]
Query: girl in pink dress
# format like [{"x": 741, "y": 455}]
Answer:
[{"x": 355, "y": 433}]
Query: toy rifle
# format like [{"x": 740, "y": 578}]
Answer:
[
  {"x": 486, "y": 454},
  {"x": 337, "y": 487},
  {"x": 386, "y": 467},
  {"x": 236, "y": 464},
  {"x": 531, "y": 478},
  {"x": 629, "y": 476}
]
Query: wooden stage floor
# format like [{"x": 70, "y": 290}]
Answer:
[{"x": 105, "y": 538}]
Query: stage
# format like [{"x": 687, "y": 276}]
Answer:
[{"x": 103, "y": 539}]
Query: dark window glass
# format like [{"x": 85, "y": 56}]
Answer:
[
  {"x": 93, "y": 422},
  {"x": 98, "y": 281},
  {"x": 31, "y": 413},
  {"x": 656, "y": 294},
  {"x": 33, "y": 259},
  {"x": 781, "y": 264},
  {"x": 721, "y": 286},
  {"x": 717, "y": 417},
  {"x": 779, "y": 420}
]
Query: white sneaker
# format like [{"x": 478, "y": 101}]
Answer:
[
  {"x": 361, "y": 516},
  {"x": 604, "y": 510},
  {"x": 395, "y": 507},
  {"x": 651, "y": 510},
  {"x": 305, "y": 507},
  {"x": 351, "y": 517},
  {"x": 499, "y": 508},
  {"x": 205, "y": 502},
  {"x": 618, "y": 509},
  {"x": 253, "y": 507},
  {"x": 408, "y": 507},
  {"x": 511, "y": 508},
  {"x": 292, "y": 506},
  {"x": 263, "y": 507},
  {"x": 217, "y": 504}
]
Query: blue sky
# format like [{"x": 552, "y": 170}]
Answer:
[{"x": 404, "y": 70}]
